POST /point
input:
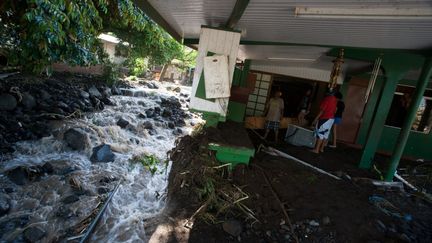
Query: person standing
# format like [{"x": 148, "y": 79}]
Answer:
[
  {"x": 305, "y": 105},
  {"x": 324, "y": 121},
  {"x": 275, "y": 110},
  {"x": 340, "y": 107}
]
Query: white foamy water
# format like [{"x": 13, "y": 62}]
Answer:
[{"x": 140, "y": 194}]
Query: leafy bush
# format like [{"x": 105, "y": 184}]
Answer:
[
  {"x": 37, "y": 33},
  {"x": 150, "y": 162},
  {"x": 138, "y": 66}
]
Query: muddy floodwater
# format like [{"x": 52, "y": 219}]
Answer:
[{"x": 51, "y": 188}]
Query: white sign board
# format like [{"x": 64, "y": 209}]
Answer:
[{"x": 216, "y": 77}]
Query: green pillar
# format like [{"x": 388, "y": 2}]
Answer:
[
  {"x": 370, "y": 110},
  {"x": 394, "y": 75},
  {"x": 245, "y": 72},
  {"x": 412, "y": 111}
]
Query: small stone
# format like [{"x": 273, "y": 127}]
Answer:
[
  {"x": 70, "y": 199},
  {"x": 77, "y": 139},
  {"x": 177, "y": 89},
  {"x": 148, "y": 125},
  {"x": 4, "y": 204},
  {"x": 93, "y": 91},
  {"x": 28, "y": 101},
  {"x": 166, "y": 113},
  {"x": 122, "y": 122},
  {"x": 84, "y": 94},
  {"x": 44, "y": 95},
  {"x": 18, "y": 175},
  {"x": 7, "y": 102},
  {"x": 232, "y": 227},
  {"x": 314, "y": 223},
  {"x": 115, "y": 90},
  {"x": 142, "y": 116},
  {"x": 103, "y": 190},
  {"x": 171, "y": 125},
  {"x": 102, "y": 153},
  {"x": 326, "y": 220},
  {"x": 150, "y": 113},
  {"x": 34, "y": 234}
]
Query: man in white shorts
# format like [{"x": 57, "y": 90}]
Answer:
[{"x": 324, "y": 121}]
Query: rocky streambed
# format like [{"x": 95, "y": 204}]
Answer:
[{"x": 66, "y": 143}]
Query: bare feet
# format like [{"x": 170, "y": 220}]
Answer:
[{"x": 314, "y": 151}]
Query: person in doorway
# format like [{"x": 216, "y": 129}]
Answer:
[
  {"x": 340, "y": 107},
  {"x": 275, "y": 110},
  {"x": 305, "y": 105},
  {"x": 324, "y": 121}
]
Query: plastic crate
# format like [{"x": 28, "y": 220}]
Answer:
[{"x": 300, "y": 136}]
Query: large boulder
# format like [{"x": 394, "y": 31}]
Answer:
[
  {"x": 102, "y": 153},
  {"x": 77, "y": 139},
  {"x": 93, "y": 91},
  {"x": 7, "y": 102},
  {"x": 28, "y": 101},
  {"x": 4, "y": 204}
]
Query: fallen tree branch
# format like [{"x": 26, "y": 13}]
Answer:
[{"x": 280, "y": 203}]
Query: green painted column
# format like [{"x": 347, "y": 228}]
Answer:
[
  {"x": 369, "y": 112},
  {"x": 412, "y": 111},
  {"x": 394, "y": 75},
  {"x": 245, "y": 72}
]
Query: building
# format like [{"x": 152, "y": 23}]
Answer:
[{"x": 291, "y": 46}]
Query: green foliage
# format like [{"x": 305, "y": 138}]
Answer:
[
  {"x": 111, "y": 73},
  {"x": 150, "y": 162},
  {"x": 37, "y": 33},
  {"x": 138, "y": 66}
]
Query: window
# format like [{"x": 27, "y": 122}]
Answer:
[
  {"x": 399, "y": 110},
  {"x": 258, "y": 99}
]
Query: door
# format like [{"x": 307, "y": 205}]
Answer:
[{"x": 354, "y": 105}]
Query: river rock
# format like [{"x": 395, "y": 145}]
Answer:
[
  {"x": 93, "y": 91},
  {"x": 18, "y": 175},
  {"x": 150, "y": 113},
  {"x": 167, "y": 113},
  {"x": 106, "y": 91},
  {"x": 84, "y": 94},
  {"x": 44, "y": 95},
  {"x": 232, "y": 227},
  {"x": 142, "y": 116},
  {"x": 115, "y": 90},
  {"x": 148, "y": 125},
  {"x": 171, "y": 125},
  {"x": 7, "y": 102},
  {"x": 107, "y": 101},
  {"x": 77, "y": 139},
  {"x": 28, "y": 101},
  {"x": 4, "y": 204},
  {"x": 34, "y": 234},
  {"x": 177, "y": 89},
  {"x": 102, "y": 153},
  {"x": 122, "y": 122},
  {"x": 70, "y": 199}
]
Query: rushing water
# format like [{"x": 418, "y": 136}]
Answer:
[{"x": 140, "y": 195}]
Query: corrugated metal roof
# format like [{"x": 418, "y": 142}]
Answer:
[
  {"x": 274, "y": 20},
  {"x": 187, "y": 16}
]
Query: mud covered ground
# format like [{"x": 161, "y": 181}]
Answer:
[{"x": 320, "y": 208}]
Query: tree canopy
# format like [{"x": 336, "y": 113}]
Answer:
[{"x": 36, "y": 33}]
